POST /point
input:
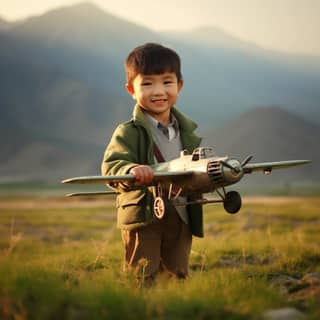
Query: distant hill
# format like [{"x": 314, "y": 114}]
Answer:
[
  {"x": 86, "y": 27},
  {"x": 62, "y": 85},
  {"x": 271, "y": 134},
  {"x": 4, "y": 24},
  {"x": 211, "y": 37}
]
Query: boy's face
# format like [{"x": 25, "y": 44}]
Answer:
[{"x": 156, "y": 93}]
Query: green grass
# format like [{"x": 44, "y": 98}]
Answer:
[{"x": 61, "y": 259}]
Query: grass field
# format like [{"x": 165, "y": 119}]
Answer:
[{"x": 61, "y": 259}]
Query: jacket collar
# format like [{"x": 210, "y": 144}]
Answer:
[{"x": 190, "y": 141}]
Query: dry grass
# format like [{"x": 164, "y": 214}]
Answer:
[{"x": 61, "y": 258}]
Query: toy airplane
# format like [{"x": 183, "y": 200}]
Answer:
[{"x": 190, "y": 176}]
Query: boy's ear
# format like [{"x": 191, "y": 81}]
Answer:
[
  {"x": 130, "y": 89},
  {"x": 180, "y": 85}
]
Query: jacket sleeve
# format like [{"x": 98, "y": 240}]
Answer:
[{"x": 122, "y": 153}]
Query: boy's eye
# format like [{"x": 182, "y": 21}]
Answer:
[
  {"x": 168, "y": 82},
  {"x": 146, "y": 83}
]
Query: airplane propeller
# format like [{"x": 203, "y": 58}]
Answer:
[
  {"x": 237, "y": 169},
  {"x": 228, "y": 165},
  {"x": 246, "y": 160}
]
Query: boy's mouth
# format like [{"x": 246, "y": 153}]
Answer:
[{"x": 158, "y": 100}]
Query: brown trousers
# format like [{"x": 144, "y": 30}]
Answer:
[{"x": 163, "y": 245}]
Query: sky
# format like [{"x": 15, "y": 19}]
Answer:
[{"x": 287, "y": 25}]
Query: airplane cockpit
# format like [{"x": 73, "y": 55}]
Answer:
[{"x": 202, "y": 153}]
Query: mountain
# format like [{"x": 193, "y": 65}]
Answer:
[
  {"x": 211, "y": 37},
  {"x": 4, "y": 24},
  {"x": 271, "y": 134},
  {"x": 83, "y": 26},
  {"x": 62, "y": 86}
]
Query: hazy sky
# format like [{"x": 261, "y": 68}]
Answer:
[{"x": 289, "y": 25}]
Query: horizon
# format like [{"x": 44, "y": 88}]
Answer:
[{"x": 292, "y": 26}]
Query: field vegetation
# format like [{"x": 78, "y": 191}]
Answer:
[{"x": 61, "y": 259}]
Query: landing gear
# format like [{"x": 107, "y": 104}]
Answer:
[
  {"x": 232, "y": 202},
  {"x": 159, "y": 207},
  {"x": 162, "y": 204}
]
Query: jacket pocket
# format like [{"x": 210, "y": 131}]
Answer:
[{"x": 131, "y": 207}]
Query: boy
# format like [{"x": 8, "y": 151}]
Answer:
[{"x": 157, "y": 132}]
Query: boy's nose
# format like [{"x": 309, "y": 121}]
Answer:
[{"x": 158, "y": 89}]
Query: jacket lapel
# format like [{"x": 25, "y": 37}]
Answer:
[{"x": 190, "y": 141}]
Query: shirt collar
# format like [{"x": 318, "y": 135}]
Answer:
[{"x": 170, "y": 131}]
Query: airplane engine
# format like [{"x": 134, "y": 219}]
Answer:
[
  {"x": 225, "y": 172},
  {"x": 232, "y": 173},
  {"x": 214, "y": 170}
]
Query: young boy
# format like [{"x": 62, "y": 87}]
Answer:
[{"x": 157, "y": 132}]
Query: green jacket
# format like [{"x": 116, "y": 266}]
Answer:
[{"x": 131, "y": 144}]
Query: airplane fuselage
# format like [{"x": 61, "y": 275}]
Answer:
[{"x": 208, "y": 173}]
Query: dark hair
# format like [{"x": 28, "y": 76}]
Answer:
[{"x": 152, "y": 58}]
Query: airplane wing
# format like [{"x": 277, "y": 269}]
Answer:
[
  {"x": 95, "y": 193},
  {"x": 168, "y": 176},
  {"x": 267, "y": 167}
]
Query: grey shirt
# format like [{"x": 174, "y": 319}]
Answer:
[{"x": 169, "y": 143}]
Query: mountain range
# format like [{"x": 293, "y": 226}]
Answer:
[{"x": 62, "y": 91}]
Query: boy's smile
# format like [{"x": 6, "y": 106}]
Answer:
[{"x": 156, "y": 94}]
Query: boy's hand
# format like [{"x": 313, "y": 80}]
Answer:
[{"x": 143, "y": 174}]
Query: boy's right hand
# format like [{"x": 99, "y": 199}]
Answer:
[{"x": 143, "y": 174}]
